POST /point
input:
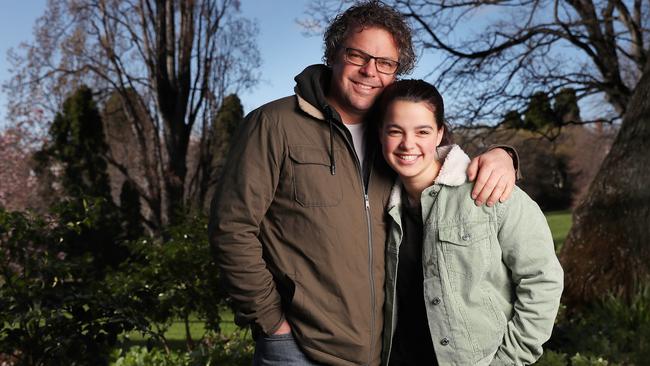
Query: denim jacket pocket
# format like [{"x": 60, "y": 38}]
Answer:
[{"x": 465, "y": 249}]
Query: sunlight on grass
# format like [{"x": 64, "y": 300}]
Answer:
[
  {"x": 560, "y": 223},
  {"x": 176, "y": 332}
]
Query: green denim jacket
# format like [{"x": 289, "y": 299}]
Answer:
[{"x": 492, "y": 281}]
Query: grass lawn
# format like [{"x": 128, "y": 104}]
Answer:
[
  {"x": 175, "y": 335},
  {"x": 560, "y": 223}
]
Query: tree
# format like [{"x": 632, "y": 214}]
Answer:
[
  {"x": 607, "y": 248},
  {"x": 212, "y": 154},
  {"x": 16, "y": 174},
  {"x": 511, "y": 49},
  {"x": 171, "y": 62},
  {"x": 131, "y": 211},
  {"x": 76, "y": 152},
  {"x": 78, "y": 147}
]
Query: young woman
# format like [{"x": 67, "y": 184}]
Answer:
[{"x": 465, "y": 285}]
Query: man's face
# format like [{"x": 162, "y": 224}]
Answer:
[{"x": 354, "y": 89}]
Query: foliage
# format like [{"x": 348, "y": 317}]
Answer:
[
  {"x": 543, "y": 118},
  {"x": 78, "y": 146},
  {"x": 53, "y": 304},
  {"x": 141, "y": 356},
  {"x": 64, "y": 301},
  {"x": 235, "y": 350},
  {"x": 131, "y": 210},
  {"x": 174, "y": 279},
  {"x": 213, "y": 153},
  {"x": 611, "y": 329},
  {"x": 226, "y": 123},
  {"x": 550, "y": 358},
  {"x": 75, "y": 157}
]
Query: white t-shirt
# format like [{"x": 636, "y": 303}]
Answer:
[{"x": 357, "y": 130}]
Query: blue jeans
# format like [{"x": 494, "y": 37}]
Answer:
[{"x": 279, "y": 350}]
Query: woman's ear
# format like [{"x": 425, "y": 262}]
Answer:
[{"x": 441, "y": 133}]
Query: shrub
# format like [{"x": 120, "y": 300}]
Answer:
[
  {"x": 613, "y": 329},
  {"x": 141, "y": 356},
  {"x": 54, "y": 306},
  {"x": 174, "y": 279},
  {"x": 215, "y": 349}
]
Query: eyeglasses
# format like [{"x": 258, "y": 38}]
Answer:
[{"x": 360, "y": 58}]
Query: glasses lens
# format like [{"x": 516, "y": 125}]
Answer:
[
  {"x": 356, "y": 58},
  {"x": 386, "y": 66},
  {"x": 360, "y": 58}
]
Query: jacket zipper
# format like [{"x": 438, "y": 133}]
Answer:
[{"x": 366, "y": 200}]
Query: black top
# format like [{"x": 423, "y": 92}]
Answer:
[{"x": 412, "y": 340}]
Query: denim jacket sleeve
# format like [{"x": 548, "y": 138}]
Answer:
[{"x": 537, "y": 277}]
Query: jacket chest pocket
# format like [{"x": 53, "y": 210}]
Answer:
[
  {"x": 466, "y": 248},
  {"x": 313, "y": 183}
]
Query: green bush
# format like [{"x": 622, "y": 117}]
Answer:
[
  {"x": 216, "y": 349},
  {"x": 550, "y": 358},
  {"x": 141, "y": 356},
  {"x": 54, "y": 306},
  {"x": 613, "y": 329},
  {"x": 174, "y": 279}
]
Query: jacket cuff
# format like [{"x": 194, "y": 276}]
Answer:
[
  {"x": 513, "y": 154},
  {"x": 270, "y": 322}
]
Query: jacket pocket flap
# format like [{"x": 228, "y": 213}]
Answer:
[
  {"x": 464, "y": 234},
  {"x": 309, "y": 155}
]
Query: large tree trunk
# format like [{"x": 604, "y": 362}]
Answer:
[{"x": 608, "y": 247}]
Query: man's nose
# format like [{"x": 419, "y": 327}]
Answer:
[{"x": 370, "y": 68}]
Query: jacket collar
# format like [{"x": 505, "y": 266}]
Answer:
[{"x": 452, "y": 173}]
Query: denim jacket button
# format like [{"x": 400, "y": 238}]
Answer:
[
  {"x": 436, "y": 301},
  {"x": 466, "y": 236},
  {"x": 444, "y": 341}
]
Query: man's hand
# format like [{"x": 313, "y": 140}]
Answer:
[
  {"x": 285, "y": 328},
  {"x": 496, "y": 176}
]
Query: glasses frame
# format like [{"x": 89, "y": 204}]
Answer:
[{"x": 367, "y": 57}]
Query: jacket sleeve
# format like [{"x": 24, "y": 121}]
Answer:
[
  {"x": 241, "y": 200},
  {"x": 529, "y": 253}
]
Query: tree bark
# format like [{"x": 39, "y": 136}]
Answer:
[{"x": 608, "y": 247}]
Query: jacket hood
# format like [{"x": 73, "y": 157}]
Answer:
[
  {"x": 311, "y": 85},
  {"x": 452, "y": 173}
]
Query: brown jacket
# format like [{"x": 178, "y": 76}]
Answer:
[{"x": 299, "y": 233}]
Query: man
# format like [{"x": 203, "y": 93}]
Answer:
[{"x": 297, "y": 222}]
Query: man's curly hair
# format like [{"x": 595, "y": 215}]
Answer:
[{"x": 371, "y": 14}]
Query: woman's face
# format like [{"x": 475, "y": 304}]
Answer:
[{"x": 409, "y": 137}]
